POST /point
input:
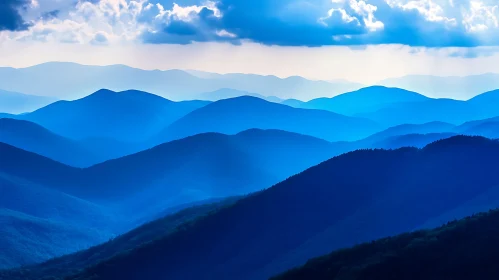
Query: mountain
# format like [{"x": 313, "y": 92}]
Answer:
[
  {"x": 482, "y": 106},
  {"x": 440, "y": 110},
  {"x": 293, "y": 103},
  {"x": 404, "y": 129},
  {"x": 16, "y": 103},
  {"x": 38, "y": 223},
  {"x": 137, "y": 237},
  {"x": 365, "y": 100},
  {"x": 355, "y": 197},
  {"x": 221, "y": 163},
  {"x": 226, "y": 93},
  {"x": 463, "y": 249},
  {"x": 234, "y": 115},
  {"x": 69, "y": 81},
  {"x": 411, "y": 140},
  {"x": 145, "y": 185},
  {"x": 127, "y": 116},
  {"x": 463, "y": 88},
  {"x": 34, "y": 138}
]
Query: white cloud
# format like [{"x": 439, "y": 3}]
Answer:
[
  {"x": 359, "y": 10},
  {"x": 480, "y": 16},
  {"x": 367, "y": 12},
  {"x": 116, "y": 20},
  {"x": 430, "y": 9}
]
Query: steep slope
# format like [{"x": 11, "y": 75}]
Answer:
[
  {"x": 16, "y": 103},
  {"x": 35, "y": 168},
  {"x": 463, "y": 249},
  {"x": 34, "y": 138},
  {"x": 369, "y": 99},
  {"x": 141, "y": 186},
  {"x": 234, "y": 115},
  {"x": 128, "y": 116},
  {"x": 37, "y": 223},
  {"x": 161, "y": 227},
  {"x": 355, "y": 197}
]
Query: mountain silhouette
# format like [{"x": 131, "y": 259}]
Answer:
[
  {"x": 128, "y": 116},
  {"x": 411, "y": 140},
  {"x": 226, "y": 93},
  {"x": 365, "y": 100},
  {"x": 463, "y": 249},
  {"x": 142, "y": 185},
  {"x": 456, "y": 112},
  {"x": 352, "y": 198},
  {"x": 293, "y": 103},
  {"x": 34, "y": 138},
  {"x": 446, "y": 87},
  {"x": 440, "y": 110},
  {"x": 486, "y": 127},
  {"x": 230, "y": 116},
  {"x": 38, "y": 223},
  {"x": 16, "y": 103},
  {"x": 137, "y": 237},
  {"x": 404, "y": 129},
  {"x": 65, "y": 80}
]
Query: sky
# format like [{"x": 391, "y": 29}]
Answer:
[{"x": 357, "y": 40}]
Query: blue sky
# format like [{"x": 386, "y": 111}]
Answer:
[{"x": 303, "y": 34}]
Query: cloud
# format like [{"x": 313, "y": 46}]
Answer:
[
  {"x": 312, "y": 23},
  {"x": 10, "y": 17},
  {"x": 426, "y": 23}
]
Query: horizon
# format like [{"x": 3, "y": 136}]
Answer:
[
  {"x": 187, "y": 70},
  {"x": 355, "y": 40}
]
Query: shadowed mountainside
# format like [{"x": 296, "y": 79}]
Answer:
[
  {"x": 463, "y": 249},
  {"x": 352, "y": 198},
  {"x": 137, "y": 237},
  {"x": 141, "y": 186},
  {"x": 34, "y": 138}
]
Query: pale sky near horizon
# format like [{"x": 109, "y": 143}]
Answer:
[{"x": 361, "y": 41}]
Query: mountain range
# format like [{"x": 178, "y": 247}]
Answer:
[
  {"x": 365, "y": 100},
  {"x": 459, "y": 87},
  {"x": 242, "y": 179},
  {"x": 16, "y": 103},
  {"x": 352, "y": 198},
  {"x": 70, "y": 81},
  {"x": 138, "y": 187},
  {"x": 127, "y": 116},
  {"x": 463, "y": 249},
  {"x": 233, "y": 115},
  {"x": 395, "y": 106}
]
